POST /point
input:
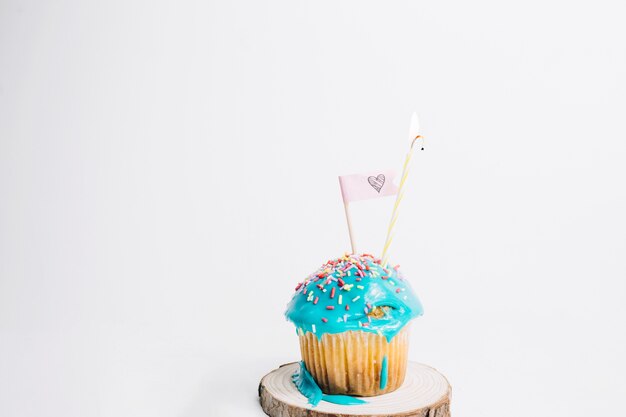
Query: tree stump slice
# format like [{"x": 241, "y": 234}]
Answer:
[{"x": 424, "y": 393}]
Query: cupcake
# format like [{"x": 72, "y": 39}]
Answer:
[{"x": 352, "y": 317}]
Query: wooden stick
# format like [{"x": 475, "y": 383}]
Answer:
[{"x": 352, "y": 241}]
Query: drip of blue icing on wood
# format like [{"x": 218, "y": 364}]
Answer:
[
  {"x": 383, "y": 373},
  {"x": 308, "y": 387},
  {"x": 342, "y": 399}
]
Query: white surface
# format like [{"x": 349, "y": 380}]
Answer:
[
  {"x": 168, "y": 172},
  {"x": 423, "y": 387}
]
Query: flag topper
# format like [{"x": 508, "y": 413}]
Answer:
[{"x": 376, "y": 184}]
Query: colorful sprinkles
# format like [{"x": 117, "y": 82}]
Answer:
[{"x": 349, "y": 274}]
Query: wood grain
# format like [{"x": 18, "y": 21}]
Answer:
[{"x": 425, "y": 393}]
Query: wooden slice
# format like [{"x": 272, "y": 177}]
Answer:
[{"x": 424, "y": 393}]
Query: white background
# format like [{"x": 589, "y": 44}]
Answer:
[{"x": 168, "y": 172}]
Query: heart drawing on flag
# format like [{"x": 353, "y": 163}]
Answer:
[{"x": 377, "y": 182}]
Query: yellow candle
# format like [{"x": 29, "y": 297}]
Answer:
[{"x": 414, "y": 136}]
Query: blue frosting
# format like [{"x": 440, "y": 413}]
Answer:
[
  {"x": 384, "y": 373},
  {"x": 308, "y": 387},
  {"x": 353, "y": 293}
]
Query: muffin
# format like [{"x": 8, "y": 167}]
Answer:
[{"x": 352, "y": 318}]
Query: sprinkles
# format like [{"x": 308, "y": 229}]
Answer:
[{"x": 339, "y": 276}]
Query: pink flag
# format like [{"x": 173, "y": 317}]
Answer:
[{"x": 364, "y": 186}]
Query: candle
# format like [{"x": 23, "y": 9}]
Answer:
[{"x": 413, "y": 136}]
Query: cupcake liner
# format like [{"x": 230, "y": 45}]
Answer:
[{"x": 351, "y": 363}]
